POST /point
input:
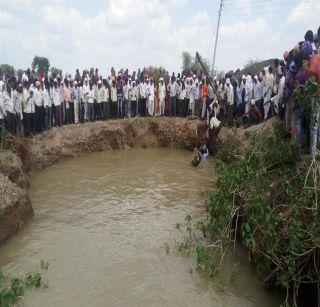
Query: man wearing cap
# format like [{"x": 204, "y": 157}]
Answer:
[
  {"x": 47, "y": 104},
  {"x": 17, "y": 102},
  {"x": 99, "y": 103},
  {"x": 172, "y": 89},
  {"x": 9, "y": 119},
  {"x": 104, "y": 96},
  {"x": 257, "y": 91},
  {"x": 86, "y": 90},
  {"x": 230, "y": 101},
  {"x": 150, "y": 91},
  {"x": 162, "y": 96},
  {"x": 62, "y": 101},
  {"x": 75, "y": 97},
  {"x": 56, "y": 100},
  {"x": 39, "y": 114},
  {"x": 114, "y": 101},
  {"x": 28, "y": 110},
  {"x": 134, "y": 99},
  {"x": 126, "y": 89}
]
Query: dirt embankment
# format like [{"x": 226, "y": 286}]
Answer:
[{"x": 52, "y": 146}]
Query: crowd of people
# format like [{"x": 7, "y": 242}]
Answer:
[{"x": 32, "y": 102}]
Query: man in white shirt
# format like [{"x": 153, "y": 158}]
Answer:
[
  {"x": 150, "y": 91},
  {"x": 86, "y": 90},
  {"x": 47, "y": 104},
  {"x": 143, "y": 98},
  {"x": 17, "y": 102},
  {"x": 56, "y": 99},
  {"x": 39, "y": 114},
  {"x": 134, "y": 93},
  {"x": 162, "y": 96},
  {"x": 114, "y": 100},
  {"x": 9, "y": 109},
  {"x": 28, "y": 110},
  {"x": 172, "y": 89},
  {"x": 104, "y": 95},
  {"x": 125, "y": 90},
  {"x": 1, "y": 115},
  {"x": 230, "y": 101}
]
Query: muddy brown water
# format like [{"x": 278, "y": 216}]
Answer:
[{"x": 102, "y": 222}]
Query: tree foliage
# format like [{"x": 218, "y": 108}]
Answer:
[
  {"x": 190, "y": 63},
  {"x": 41, "y": 65},
  {"x": 55, "y": 72},
  {"x": 253, "y": 67},
  {"x": 7, "y": 69}
]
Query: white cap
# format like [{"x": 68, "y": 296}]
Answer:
[
  {"x": 37, "y": 83},
  {"x": 253, "y": 102},
  {"x": 228, "y": 81},
  {"x": 256, "y": 77},
  {"x": 244, "y": 77}
]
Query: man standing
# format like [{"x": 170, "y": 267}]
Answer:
[
  {"x": 126, "y": 99},
  {"x": 113, "y": 100},
  {"x": 143, "y": 98},
  {"x": 47, "y": 103},
  {"x": 230, "y": 101},
  {"x": 39, "y": 114},
  {"x": 150, "y": 91},
  {"x": 134, "y": 98},
  {"x": 76, "y": 101},
  {"x": 204, "y": 97},
  {"x": 172, "y": 89},
  {"x": 56, "y": 99},
  {"x": 28, "y": 111},
  {"x": 162, "y": 96}
]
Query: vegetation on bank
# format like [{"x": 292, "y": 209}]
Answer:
[
  {"x": 12, "y": 289},
  {"x": 267, "y": 196}
]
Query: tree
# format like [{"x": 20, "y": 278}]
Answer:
[
  {"x": 190, "y": 62},
  {"x": 187, "y": 61},
  {"x": 7, "y": 70},
  {"x": 54, "y": 71},
  {"x": 253, "y": 67},
  {"x": 155, "y": 73},
  {"x": 41, "y": 65},
  {"x": 19, "y": 73}
]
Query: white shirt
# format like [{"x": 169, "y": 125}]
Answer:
[
  {"x": 47, "y": 102},
  {"x": 1, "y": 106},
  {"x": 104, "y": 94},
  {"x": 56, "y": 97},
  {"x": 114, "y": 96},
  {"x": 257, "y": 90},
  {"x": 162, "y": 91},
  {"x": 8, "y": 103},
  {"x": 91, "y": 96},
  {"x": 134, "y": 93},
  {"x": 143, "y": 90},
  {"x": 126, "y": 92},
  {"x": 230, "y": 94},
  {"x": 38, "y": 98},
  {"x": 17, "y": 103},
  {"x": 28, "y": 102},
  {"x": 172, "y": 89},
  {"x": 150, "y": 90}
]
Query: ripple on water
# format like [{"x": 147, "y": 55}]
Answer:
[{"x": 101, "y": 221}]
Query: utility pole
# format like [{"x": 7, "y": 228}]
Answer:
[{"x": 217, "y": 34}]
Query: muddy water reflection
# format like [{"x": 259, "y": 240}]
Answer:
[{"x": 101, "y": 221}]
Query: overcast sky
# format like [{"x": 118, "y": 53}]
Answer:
[{"x": 135, "y": 33}]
